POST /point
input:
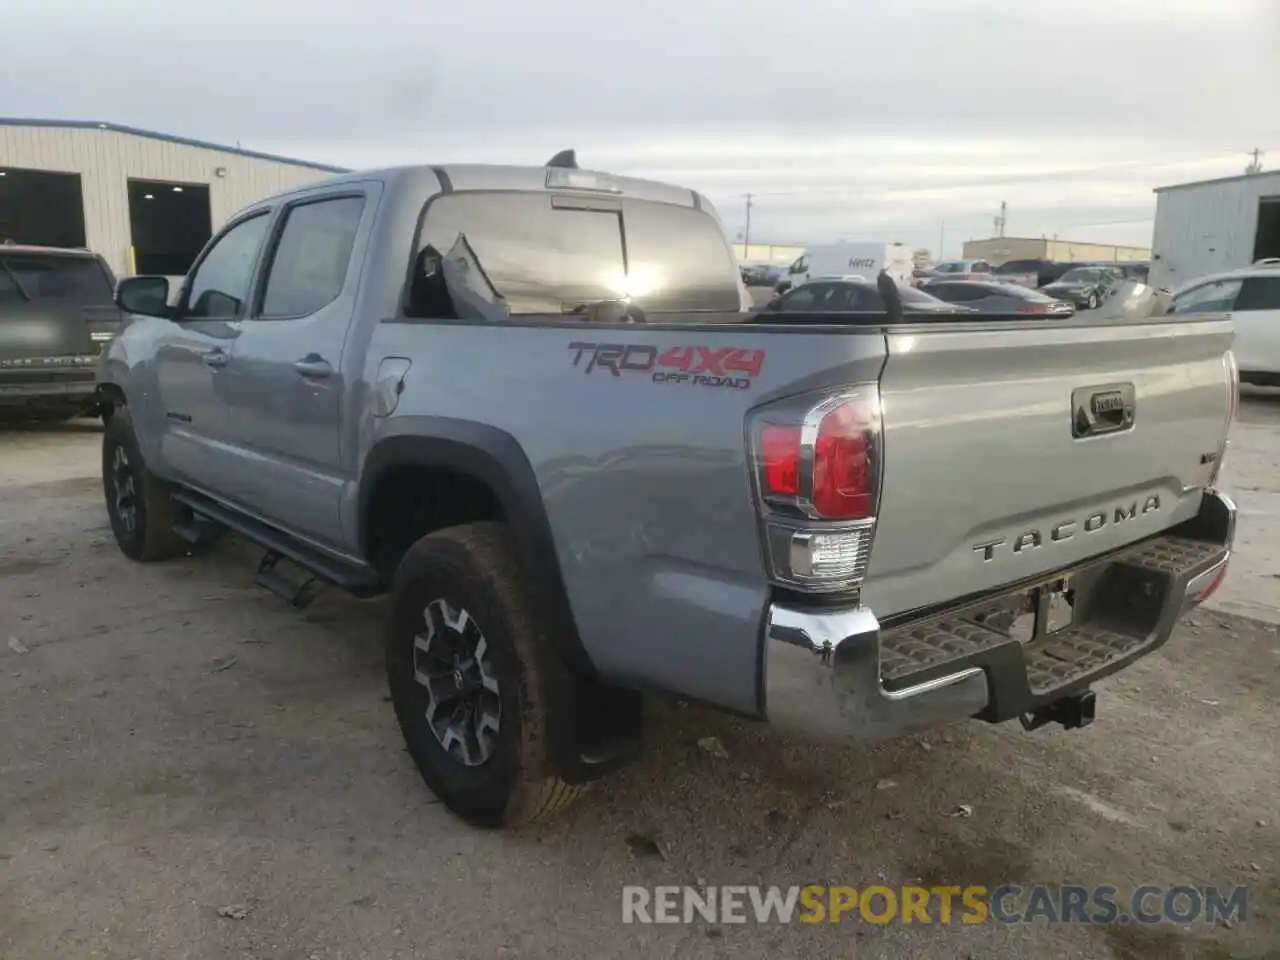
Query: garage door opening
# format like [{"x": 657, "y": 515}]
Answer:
[
  {"x": 41, "y": 208},
  {"x": 1267, "y": 241},
  {"x": 169, "y": 224}
]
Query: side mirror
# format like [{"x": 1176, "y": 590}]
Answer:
[{"x": 148, "y": 296}]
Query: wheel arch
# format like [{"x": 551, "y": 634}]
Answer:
[{"x": 494, "y": 459}]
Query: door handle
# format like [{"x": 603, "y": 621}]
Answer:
[
  {"x": 313, "y": 366},
  {"x": 216, "y": 359}
]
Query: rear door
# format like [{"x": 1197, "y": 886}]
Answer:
[
  {"x": 284, "y": 387},
  {"x": 1257, "y": 319},
  {"x": 996, "y": 468}
]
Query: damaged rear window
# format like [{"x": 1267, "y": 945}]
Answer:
[{"x": 523, "y": 254}]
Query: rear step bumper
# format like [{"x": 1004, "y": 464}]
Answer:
[{"x": 840, "y": 674}]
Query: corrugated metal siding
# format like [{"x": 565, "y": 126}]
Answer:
[
  {"x": 1208, "y": 227},
  {"x": 106, "y": 160}
]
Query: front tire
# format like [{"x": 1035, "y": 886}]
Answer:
[
  {"x": 139, "y": 504},
  {"x": 472, "y": 678},
  {"x": 1092, "y": 302}
]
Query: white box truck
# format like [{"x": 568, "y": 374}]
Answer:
[{"x": 864, "y": 260}]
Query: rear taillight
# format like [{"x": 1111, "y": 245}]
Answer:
[
  {"x": 1233, "y": 410},
  {"x": 816, "y": 464},
  {"x": 1038, "y": 309},
  {"x": 1233, "y": 388}
]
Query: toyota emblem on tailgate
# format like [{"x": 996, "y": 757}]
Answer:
[{"x": 1102, "y": 409}]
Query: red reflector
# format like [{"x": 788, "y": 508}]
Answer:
[
  {"x": 780, "y": 451},
  {"x": 1212, "y": 586},
  {"x": 843, "y": 470}
]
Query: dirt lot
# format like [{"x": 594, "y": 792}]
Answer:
[{"x": 177, "y": 742}]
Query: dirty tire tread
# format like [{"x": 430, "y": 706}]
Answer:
[
  {"x": 479, "y": 559},
  {"x": 157, "y": 510}
]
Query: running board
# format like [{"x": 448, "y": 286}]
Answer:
[{"x": 358, "y": 578}]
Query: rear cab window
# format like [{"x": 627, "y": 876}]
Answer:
[{"x": 553, "y": 254}]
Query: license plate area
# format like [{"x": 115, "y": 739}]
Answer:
[{"x": 1039, "y": 612}]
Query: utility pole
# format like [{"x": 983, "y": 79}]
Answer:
[
  {"x": 1000, "y": 220},
  {"x": 746, "y": 234},
  {"x": 1256, "y": 165},
  {"x": 942, "y": 240}
]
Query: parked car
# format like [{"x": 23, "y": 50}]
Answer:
[
  {"x": 1086, "y": 287},
  {"x": 1135, "y": 269},
  {"x": 1033, "y": 273},
  {"x": 582, "y": 466},
  {"x": 991, "y": 297},
  {"x": 962, "y": 270},
  {"x": 1251, "y": 297},
  {"x": 760, "y": 274},
  {"x": 845, "y": 294},
  {"x": 55, "y": 313}
]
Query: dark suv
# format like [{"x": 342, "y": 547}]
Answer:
[{"x": 55, "y": 314}]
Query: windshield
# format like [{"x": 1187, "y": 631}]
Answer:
[
  {"x": 950, "y": 267},
  {"x": 1081, "y": 275}
]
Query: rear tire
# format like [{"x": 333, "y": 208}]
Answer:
[
  {"x": 1092, "y": 302},
  {"x": 473, "y": 677},
  {"x": 139, "y": 504}
]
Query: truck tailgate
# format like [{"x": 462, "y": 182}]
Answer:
[{"x": 1013, "y": 452}]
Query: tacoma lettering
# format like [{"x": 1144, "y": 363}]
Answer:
[{"x": 1032, "y": 539}]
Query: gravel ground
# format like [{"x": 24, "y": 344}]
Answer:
[{"x": 178, "y": 743}]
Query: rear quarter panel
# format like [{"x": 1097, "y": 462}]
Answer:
[{"x": 645, "y": 481}]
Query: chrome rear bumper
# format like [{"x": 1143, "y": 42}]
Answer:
[{"x": 823, "y": 675}]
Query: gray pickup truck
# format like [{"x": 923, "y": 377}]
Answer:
[{"x": 535, "y": 407}]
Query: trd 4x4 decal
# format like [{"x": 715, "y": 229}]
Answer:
[{"x": 697, "y": 366}]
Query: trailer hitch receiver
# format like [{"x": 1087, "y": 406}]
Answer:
[{"x": 1073, "y": 712}]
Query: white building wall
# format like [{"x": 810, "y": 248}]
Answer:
[
  {"x": 1206, "y": 227},
  {"x": 107, "y": 159}
]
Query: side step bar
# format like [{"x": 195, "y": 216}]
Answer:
[{"x": 358, "y": 578}]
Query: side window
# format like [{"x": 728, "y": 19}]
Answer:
[
  {"x": 807, "y": 297},
  {"x": 1259, "y": 293},
  {"x": 309, "y": 265},
  {"x": 981, "y": 266},
  {"x": 959, "y": 293},
  {"x": 1216, "y": 297},
  {"x": 220, "y": 284}
]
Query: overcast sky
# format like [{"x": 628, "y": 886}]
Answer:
[{"x": 868, "y": 120}]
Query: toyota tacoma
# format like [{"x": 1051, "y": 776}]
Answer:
[{"x": 535, "y": 407}]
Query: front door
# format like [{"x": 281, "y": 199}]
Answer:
[
  {"x": 286, "y": 381},
  {"x": 195, "y": 350}
]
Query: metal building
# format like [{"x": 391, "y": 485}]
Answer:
[
  {"x": 146, "y": 201},
  {"x": 998, "y": 250},
  {"x": 1214, "y": 225}
]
